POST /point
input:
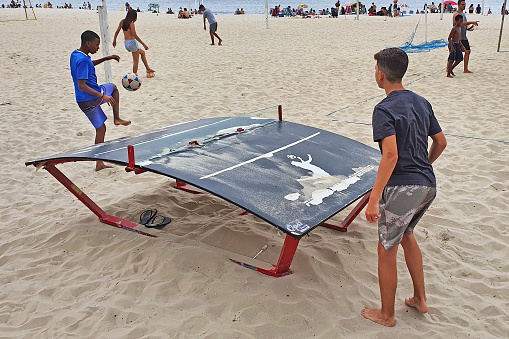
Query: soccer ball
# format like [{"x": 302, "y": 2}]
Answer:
[{"x": 131, "y": 82}]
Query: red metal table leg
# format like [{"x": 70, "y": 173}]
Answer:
[
  {"x": 180, "y": 185},
  {"x": 353, "y": 214},
  {"x": 103, "y": 217},
  {"x": 282, "y": 267}
]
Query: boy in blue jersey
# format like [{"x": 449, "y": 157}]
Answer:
[
  {"x": 89, "y": 95},
  {"x": 405, "y": 184}
]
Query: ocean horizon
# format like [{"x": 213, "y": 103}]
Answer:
[{"x": 258, "y": 6}]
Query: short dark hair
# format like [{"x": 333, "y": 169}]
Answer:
[
  {"x": 393, "y": 62},
  {"x": 201, "y": 6},
  {"x": 458, "y": 17},
  {"x": 88, "y": 36},
  {"x": 460, "y": 1}
]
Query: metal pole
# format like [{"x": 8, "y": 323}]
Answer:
[
  {"x": 426, "y": 23},
  {"x": 266, "y": 14},
  {"x": 357, "y": 10},
  {"x": 501, "y": 25},
  {"x": 482, "y": 10},
  {"x": 105, "y": 38},
  {"x": 442, "y": 11}
]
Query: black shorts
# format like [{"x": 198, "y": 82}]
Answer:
[
  {"x": 466, "y": 45},
  {"x": 457, "y": 55}
]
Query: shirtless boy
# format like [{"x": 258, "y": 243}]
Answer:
[
  {"x": 405, "y": 184},
  {"x": 131, "y": 40},
  {"x": 455, "y": 47},
  {"x": 89, "y": 95}
]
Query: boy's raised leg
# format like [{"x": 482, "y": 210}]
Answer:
[
  {"x": 145, "y": 62},
  {"x": 116, "y": 114},
  {"x": 388, "y": 281},
  {"x": 413, "y": 258}
]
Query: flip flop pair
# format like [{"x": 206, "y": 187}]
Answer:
[
  {"x": 151, "y": 74},
  {"x": 149, "y": 218}
]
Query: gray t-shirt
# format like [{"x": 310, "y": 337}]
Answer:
[
  {"x": 207, "y": 13},
  {"x": 410, "y": 117}
]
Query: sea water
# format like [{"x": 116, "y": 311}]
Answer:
[{"x": 258, "y": 6}]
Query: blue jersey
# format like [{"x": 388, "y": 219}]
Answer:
[
  {"x": 82, "y": 67},
  {"x": 411, "y": 118}
]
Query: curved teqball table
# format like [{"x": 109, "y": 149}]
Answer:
[{"x": 293, "y": 176}]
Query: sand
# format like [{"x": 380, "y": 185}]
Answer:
[{"x": 64, "y": 274}]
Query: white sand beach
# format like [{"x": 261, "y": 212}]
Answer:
[{"x": 64, "y": 274}]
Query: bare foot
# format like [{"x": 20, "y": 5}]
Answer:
[
  {"x": 99, "y": 165},
  {"x": 450, "y": 76},
  {"x": 467, "y": 71},
  {"x": 452, "y": 73},
  {"x": 212, "y": 44},
  {"x": 419, "y": 305},
  {"x": 220, "y": 41},
  {"x": 122, "y": 122},
  {"x": 150, "y": 70},
  {"x": 375, "y": 315}
]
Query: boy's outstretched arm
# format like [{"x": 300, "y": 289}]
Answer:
[
  {"x": 116, "y": 33},
  {"x": 110, "y": 57},
  {"x": 437, "y": 147},
  {"x": 387, "y": 164},
  {"x": 466, "y": 23}
]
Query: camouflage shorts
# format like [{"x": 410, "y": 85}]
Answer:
[{"x": 401, "y": 207}]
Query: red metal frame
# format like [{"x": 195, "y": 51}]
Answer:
[
  {"x": 103, "y": 217},
  {"x": 353, "y": 214},
  {"x": 282, "y": 267},
  {"x": 130, "y": 156},
  {"x": 180, "y": 185}
]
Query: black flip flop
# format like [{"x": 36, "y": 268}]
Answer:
[
  {"x": 159, "y": 221},
  {"x": 147, "y": 216}
]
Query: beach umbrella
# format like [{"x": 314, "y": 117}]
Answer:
[
  {"x": 301, "y": 6},
  {"x": 349, "y": 3},
  {"x": 450, "y": 2}
]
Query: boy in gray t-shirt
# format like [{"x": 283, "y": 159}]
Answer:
[
  {"x": 405, "y": 184},
  {"x": 207, "y": 14}
]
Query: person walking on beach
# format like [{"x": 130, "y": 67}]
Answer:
[
  {"x": 455, "y": 47},
  {"x": 89, "y": 95},
  {"x": 405, "y": 185},
  {"x": 130, "y": 41},
  {"x": 207, "y": 14},
  {"x": 464, "y": 40}
]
